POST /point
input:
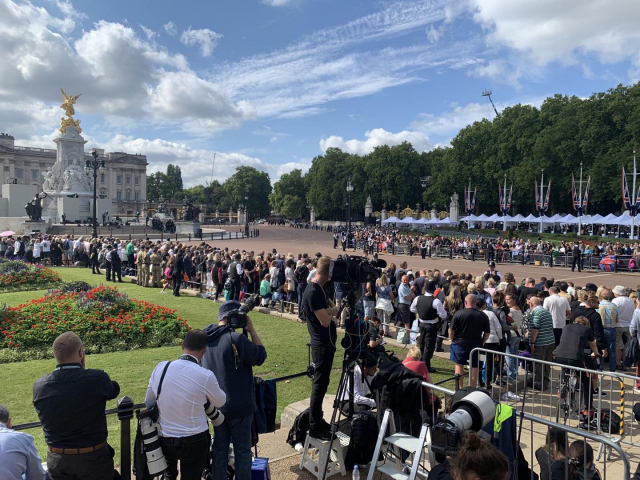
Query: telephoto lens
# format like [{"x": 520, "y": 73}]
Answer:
[
  {"x": 152, "y": 448},
  {"x": 215, "y": 415}
]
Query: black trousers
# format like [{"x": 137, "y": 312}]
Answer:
[
  {"x": 107, "y": 269},
  {"x": 423, "y": 252},
  {"x": 116, "y": 271},
  {"x": 322, "y": 356},
  {"x": 192, "y": 452},
  {"x": 576, "y": 262},
  {"x": 428, "y": 337},
  {"x": 95, "y": 266},
  {"x": 177, "y": 281},
  {"x": 96, "y": 465}
]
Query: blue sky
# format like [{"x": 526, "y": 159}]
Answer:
[{"x": 273, "y": 83}]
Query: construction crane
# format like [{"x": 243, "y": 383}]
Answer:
[{"x": 487, "y": 93}]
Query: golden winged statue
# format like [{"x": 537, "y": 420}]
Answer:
[{"x": 67, "y": 105}]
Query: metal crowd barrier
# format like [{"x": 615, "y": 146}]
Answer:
[
  {"x": 534, "y": 426},
  {"x": 610, "y": 392},
  {"x": 125, "y": 410}
]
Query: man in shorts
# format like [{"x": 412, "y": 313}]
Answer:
[{"x": 469, "y": 329}]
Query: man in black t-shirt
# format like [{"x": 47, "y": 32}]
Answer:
[
  {"x": 469, "y": 329},
  {"x": 318, "y": 311}
]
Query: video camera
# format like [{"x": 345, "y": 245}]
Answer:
[
  {"x": 353, "y": 270},
  {"x": 471, "y": 412},
  {"x": 237, "y": 319}
]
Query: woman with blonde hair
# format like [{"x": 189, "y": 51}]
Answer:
[{"x": 384, "y": 302}]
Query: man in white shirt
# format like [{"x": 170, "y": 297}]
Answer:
[
  {"x": 19, "y": 458},
  {"x": 430, "y": 311},
  {"x": 560, "y": 310},
  {"x": 46, "y": 249},
  {"x": 362, "y": 377},
  {"x": 186, "y": 389},
  {"x": 625, "y": 314}
]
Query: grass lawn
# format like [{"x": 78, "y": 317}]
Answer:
[{"x": 284, "y": 340}]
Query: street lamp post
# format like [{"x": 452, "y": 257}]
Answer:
[
  {"x": 94, "y": 165},
  {"x": 349, "y": 190},
  {"x": 246, "y": 215}
]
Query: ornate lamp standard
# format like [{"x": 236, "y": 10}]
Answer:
[
  {"x": 246, "y": 215},
  {"x": 349, "y": 190},
  {"x": 94, "y": 165}
]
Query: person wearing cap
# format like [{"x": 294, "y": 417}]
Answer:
[
  {"x": 430, "y": 311},
  {"x": 231, "y": 356},
  {"x": 625, "y": 309},
  {"x": 235, "y": 273},
  {"x": 577, "y": 257}
]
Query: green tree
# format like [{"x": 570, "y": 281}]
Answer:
[
  {"x": 174, "y": 179},
  {"x": 292, "y": 206},
  {"x": 252, "y": 183},
  {"x": 158, "y": 186},
  {"x": 291, "y": 184}
]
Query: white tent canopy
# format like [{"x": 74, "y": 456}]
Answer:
[{"x": 391, "y": 220}]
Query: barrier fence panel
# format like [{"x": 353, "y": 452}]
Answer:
[
  {"x": 533, "y": 432},
  {"x": 596, "y": 401}
]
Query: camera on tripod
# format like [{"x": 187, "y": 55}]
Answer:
[
  {"x": 471, "y": 412},
  {"x": 353, "y": 270},
  {"x": 237, "y": 319}
]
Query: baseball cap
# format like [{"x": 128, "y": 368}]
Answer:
[{"x": 591, "y": 287}]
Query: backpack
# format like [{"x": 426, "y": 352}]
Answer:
[
  {"x": 65, "y": 245},
  {"x": 362, "y": 442},
  {"x": 298, "y": 431}
]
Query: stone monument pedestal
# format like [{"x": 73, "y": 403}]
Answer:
[
  {"x": 29, "y": 226},
  {"x": 188, "y": 228}
]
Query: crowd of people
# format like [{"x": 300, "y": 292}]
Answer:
[{"x": 207, "y": 380}]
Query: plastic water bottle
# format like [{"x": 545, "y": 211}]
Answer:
[{"x": 356, "y": 473}]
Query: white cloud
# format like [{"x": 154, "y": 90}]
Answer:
[
  {"x": 67, "y": 9},
  {"x": 170, "y": 28},
  {"x": 548, "y": 30},
  {"x": 279, "y": 3},
  {"x": 194, "y": 163},
  {"x": 148, "y": 32},
  {"x": 434, "y": 34},
  {"x": 205, "y": 38},
  {"x": 376, "y": 138},
  {"x": 499, "y": 71}
]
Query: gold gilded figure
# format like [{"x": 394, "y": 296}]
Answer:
[{"x": 68, "y": 101}]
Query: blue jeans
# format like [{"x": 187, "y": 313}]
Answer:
[
  {"x": 610, "y": 335},
  {"x": 513, "y": 348},
  {"x": 237, "y": 431}
]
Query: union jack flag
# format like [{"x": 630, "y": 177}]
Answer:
[
  {"x": 541, "y": 206},
  {"x": 469, "y": 201},
  {"x": 505, "y": 203},
  {"x": 585, "y": 198},
  {"x": 626, "y": 198}
]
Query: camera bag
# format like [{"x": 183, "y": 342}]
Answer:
[{"x": 154, "y": 411}]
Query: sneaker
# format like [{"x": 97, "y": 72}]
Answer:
[
  {"x": 602, "y": 394},
  {"x": 321, "y": 434},
  {"x": 439, "y": 349},
  {"x": 432, "y": 370}
]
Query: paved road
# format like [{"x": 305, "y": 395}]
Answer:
[{"x": 290, "y": 240}]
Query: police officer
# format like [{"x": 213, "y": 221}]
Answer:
[
  {"x": 370, "y": 244},
  {"x": 335, "y": 241},
  {"x": 343, "y": 239},
  {"x": 423, "y": 248},
  {"x": 577, "y": 257},
  {"x": 107, "y": 262},
  {"x": 156, "y": 270}
]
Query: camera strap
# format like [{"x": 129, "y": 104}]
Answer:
[{"x": 164, "y": 372}]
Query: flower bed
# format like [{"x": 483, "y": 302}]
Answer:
[
  {"x": 16, "y": 275},
  {"x": 105, "y": 320}
]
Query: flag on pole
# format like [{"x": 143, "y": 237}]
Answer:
[
  {"x": 537, "y": 197},
  {"x": 546, "y": 201},
  {"x": 585, "y": 198},
  {"x": 574, "y": 195},
  {"x": 473, "y": 201},
  {"x": 500, "y": 198},
  {"x": 626, "y": 198},
  {"x": 509, "y": 201}
]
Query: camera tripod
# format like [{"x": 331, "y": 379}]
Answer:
[{"x": 350, "y": 360}]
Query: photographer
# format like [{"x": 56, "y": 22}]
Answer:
[
  {"x": 318, "y": 311},
  {"x": 186, "y": 388},
  {"x": 70, "y": 402},
  {"x": 362, "y": 376},
  {"x": 231, "y": 356}
]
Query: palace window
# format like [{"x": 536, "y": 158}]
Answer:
[
  {"x": 136, "y": 180},
  {"x": 128, "y": 195},
  {"x": 102, "y": 178},
  {"x": 119, "y": 195},
  {"x": 34, "y": 174},
  {"x": 137, "y": 196},
  {"x": 119, "y": 179},
  {"x": 128, "y": 180},
  {"x": 18, "y": 173}
]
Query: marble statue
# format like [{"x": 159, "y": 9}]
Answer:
[
  {"x": 75, "y": 177},
  {"x": 34, "y": 208},
  {"x": 49, "y": 182}
]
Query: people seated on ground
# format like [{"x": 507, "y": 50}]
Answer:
[
  {"x": 363, "y": 373},
  {"x": 578, "y": 464},
  {"x": 553, "y": 450},
  {"x": 19, "y": 458}
]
